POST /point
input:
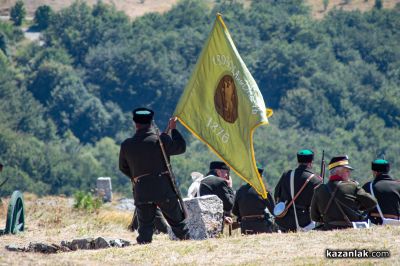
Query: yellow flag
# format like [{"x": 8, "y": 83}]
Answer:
[{"x": 222, "y": 105}]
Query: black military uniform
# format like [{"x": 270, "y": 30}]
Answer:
[
  {"x": 160, "y": 224},
  {"x": 349, "y": 198},
  {"x": 303, "y": 201},
  {"x": 212, "y": 184},
  {"x": 142, "y": 160},
  {"x": 386, "y": 191},
  {"x": 253, "y": 211}
]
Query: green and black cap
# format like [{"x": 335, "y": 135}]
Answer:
[
  {"x": 305, "y": 156},
  {"x": 380, "y": 165}
]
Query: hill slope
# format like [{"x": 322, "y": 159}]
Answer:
[{"x": 134, "y": 8}]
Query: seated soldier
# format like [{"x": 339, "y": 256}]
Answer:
[
  {"x": 386, "y": 190},
  {"x": 253, "y": 212},
  {"x": 341, "y": 201},
  {"x": 304, "y": 182},
  {"x": 218, "y": 182}
]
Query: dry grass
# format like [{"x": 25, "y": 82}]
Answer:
[
  {"x": 134, "y": 8},
  {"x": 52, "y": 219},
  {"x": 361, "y": 5}
]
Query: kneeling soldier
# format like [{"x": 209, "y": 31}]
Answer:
[
  {"x": 386, "y": 190},
  {"x": 341, "y": 201},
  {"x": 253, "y": 212}
]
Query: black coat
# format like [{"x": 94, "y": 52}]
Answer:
[
  {"x": 387, "y": 193},
  {"x": 214, "y": 185},
  {"x": 248, "y": 202},
  {"x": 353, "y": 201},
  {"x": 141, "y": 155},
  {"x": 303, "y": 201}
]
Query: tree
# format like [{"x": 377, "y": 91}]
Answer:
[
  {"x": 378, "y": 4},
  {"x": 3, "y": 43},
  {"x": 42, "y": 16},
  {"x": 325, "y": 3},
  {"x": 18, "y": 13}
]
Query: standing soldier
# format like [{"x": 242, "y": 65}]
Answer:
[
  {"x": 141, "y": 159},
  {"x": 253, "y": 212},
  {"x": 297, "y": 211},
  {"x": 386, "y": 190},
  {"x": 341, "y": 201}
]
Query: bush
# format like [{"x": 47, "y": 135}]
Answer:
[{"x": 86, "y": 201}]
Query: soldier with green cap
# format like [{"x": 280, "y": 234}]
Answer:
[
  {"x": 341, "y": 201},
  {"x": 141, "y": 159},
  {"x": 297, "y": 184},
  {"x": 386, "y": 190}
]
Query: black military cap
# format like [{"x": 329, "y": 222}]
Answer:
[
  {"x": 218, "y": 165},
  {"x": 380, "y": 165},
  {"x": 142, "y": 115},
  {"x": 342, "y": 160},
  {"x": 305, "y": 156}
]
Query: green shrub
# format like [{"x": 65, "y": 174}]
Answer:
[{"x": 86, "y": 201}]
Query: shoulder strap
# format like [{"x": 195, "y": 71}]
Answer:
[
  {"x": 293, "y": 199},
  {"x": 299, "y": 192},
  {"x": 331, "y": 198},
  {"x": 340, "y": 207},
  {"x": 377, "y": 203}
]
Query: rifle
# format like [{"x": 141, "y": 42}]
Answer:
[
  {"x": 171, "y": 175},
  {"x": 323, "y": 167}
]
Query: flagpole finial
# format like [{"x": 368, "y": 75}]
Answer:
[{"x": 219, "y": 17}]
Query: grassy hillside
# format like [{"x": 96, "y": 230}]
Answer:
[
  {"x": 52, "y": 219},
  {"x": 134, "y": 8}
]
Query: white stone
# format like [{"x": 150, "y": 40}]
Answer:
[
  {"x": 205, "y": 217},
  {"x": 104, "y": 188}
]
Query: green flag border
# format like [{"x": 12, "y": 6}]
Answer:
[{"x": 263, "y": 193}]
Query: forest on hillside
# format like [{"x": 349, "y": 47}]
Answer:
[{"x": 65, "y": 102}]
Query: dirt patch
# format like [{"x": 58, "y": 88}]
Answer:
[
  {"x": 135, "y": 8},
  {"x": 349, "y": 5},
  {"x": 132, "y": 8}
]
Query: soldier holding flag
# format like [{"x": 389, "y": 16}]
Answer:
[{"x": 141, "y": 159}]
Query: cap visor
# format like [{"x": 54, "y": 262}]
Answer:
[{"x": 348, "y": 167}]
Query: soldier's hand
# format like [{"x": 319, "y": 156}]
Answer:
[
  {"x": 228, "y": 220},
  {"x": 229, "y": 181},
  {"x": 172, "y": 123}
]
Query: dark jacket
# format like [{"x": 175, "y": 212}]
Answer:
[
  {"x": 387, "y": 193},
  {"x": 351, "y": 197},
  {"x": 303, "y": 201},
  {"x": 214, "y": 185},
  {"x": 248, "y": 202},
  {"x": 141, "y": 155}
]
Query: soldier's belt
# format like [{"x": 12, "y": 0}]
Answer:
[
  {"x": 338, "y": 223},
  {"x": 253, "y": 217},
  {"x": 388, "y": 216},
  {"x": 136, "y": 178}
]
